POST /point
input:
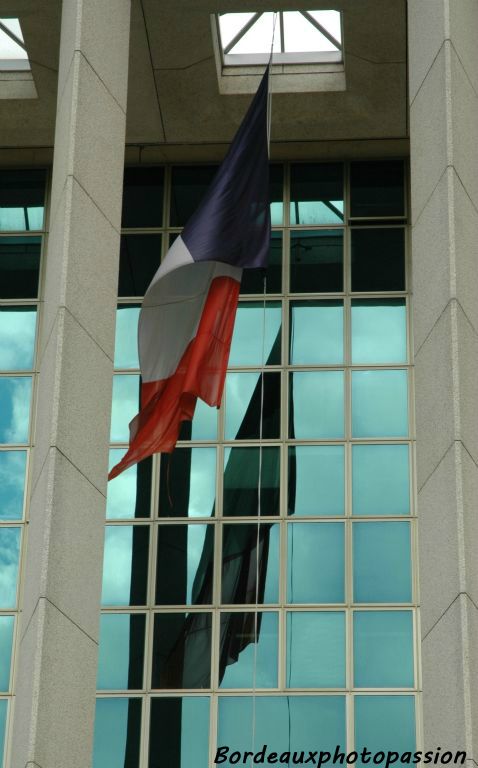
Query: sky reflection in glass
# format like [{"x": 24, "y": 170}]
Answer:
[
  {"x": 121, "y": 651},
  {"x": 117, "y": 732},
  {"x": 316, "y": 405},
  {"x": 126, "y": 340},
  {"x": 240, "y": 674},
  {"x": 129, "y": 494},
  {"x": 256, "y": 334},
  {"x": 17, "y": 338},
  {"x": 316, "y": 332},
  {"x": 188, "y": 483},
  {"x": 316, "y": 649},
  {"x": 379, "y": 403},
  {"x": 383, "y": 649},
  {"x": 3, "y": 722},
  {"x": 380, "y": 480},
  {"x": 315, "y": 572},
  {"x": 316, "y": 480},
  {"x": 6, "y": 639},
  {"x": 384, "y": 723},
  {"x": 243, "y": 405},
  {"x": 382, "y": 565},
  {"x": 125, "y": 406},
  {"x": 379, "y": 331},
  {"x": 289, "y": 723},
  {"x": 125, "y": 565},
  {"x": 15, "y": 396},
  {"x": 12, "y": 484},
  {"x": 9, "y": 559}
]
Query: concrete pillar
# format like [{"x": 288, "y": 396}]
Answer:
[
  {"x": 443, "y": 59},
  {"x": 57, "y": 652}
]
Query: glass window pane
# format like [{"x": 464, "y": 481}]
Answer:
[
  {"x": 179, "y": 732},
  {"x": 383, "y": 649},
  {"x": 253, "y": 279},
  {"x": 385, "y": 723},
  {"x": 188, "y": 483},
  {"x": 316, "y": 480},
  {"x": 380, "y": 480},
  {"x": 379, "y": 403},
  {"x": 315, "y": 563},
  {"x": 9, "y": 559},
  {"x": 316, "y": 261},
  {"x": 17, "y": 338},
  {"x": 378, "y": 259},
  {"x": 283, "y": 723},
  {"x": 125, "y": 565},
  {"x": 182, "y": 650},
  {"x": 126, "y": 341},
  {"x": 240, "y": 582},
  {"x": 15, "y": 396},
  {"x": 243, "y": 406},
  {"x": 188, "y": 186},
  {"x": 125, "y": 406},
  {"x": 379, "y": 331},
  {"x": 257, "y": 334},
  {"x": 184, "y": 573},
  {"x": 143, "y": 197},
  {"x": 316, "y": 332},
  {"x": 117, "y": 733},
  {"x": 316, "y": 405},
  {"x": 121, "y": 651},
  {"x": 129, "y": 494},
  {"x": 12, "y": 484},
  {"x": 237, "y": 654},
  {"x": 377, "y": 189},
  {"x": 3, "y": 724},
  {"x": 382, "y": 567},
  {"x": 6, "y": 639},
  {"x": 241, "y": 480},
  {"x": 21, "y": 199},
  {"x": 276, "y": 181},
  {"x": 140, "y": 257},
  {"x": 19, "y": 267},
  {"x": 316, "y": 649},
  {"x": 316, "y": 193},
  {"x": 203, "y": 426}
]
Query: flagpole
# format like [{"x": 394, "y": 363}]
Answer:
[{"x": 259, "y": 481}]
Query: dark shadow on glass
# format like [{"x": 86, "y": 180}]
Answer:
[
  {"x": 139, "y": 565},
  {"x": 188, "y": 186},
  {"x": 253, "y": 279},
  {"x": 316, "y": 261},
  {"x": 140, "y": 257},
  {"x": 241, "y": 481},
  {"x": 182, "y": 650},
  {"x": 376, "y": 189},
  {"x": 143, "y": 190},
  {"x": 19, "y": 267},
  {"x": 378, "y": 259},
  {"x": 22, "y": 195}
]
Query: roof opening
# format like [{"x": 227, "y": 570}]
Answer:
[
  {"x": 300, "y": 37},
  {"x": 13, "y": 54}
]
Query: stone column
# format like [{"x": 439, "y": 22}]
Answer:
[
  {"x": 58, "y": 643},
  {"x": 443, "y": 58}
]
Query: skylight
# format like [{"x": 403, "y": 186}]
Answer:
[
  {"x": 13, "y": 55},
  {"x": 299, "y": 37}
]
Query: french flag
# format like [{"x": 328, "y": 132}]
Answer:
[{"x": 187, "y": 318}]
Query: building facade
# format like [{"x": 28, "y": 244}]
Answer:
[{"x": 300, "y": 572}]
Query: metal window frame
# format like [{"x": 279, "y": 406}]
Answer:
[{"x": 283, "y": 442}]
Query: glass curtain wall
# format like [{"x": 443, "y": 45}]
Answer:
[
  {"x": 330, "y": 564},
  {"x": 22, "y": 195}
]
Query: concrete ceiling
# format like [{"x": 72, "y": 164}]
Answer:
[{"x": 173, "y": 96}]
